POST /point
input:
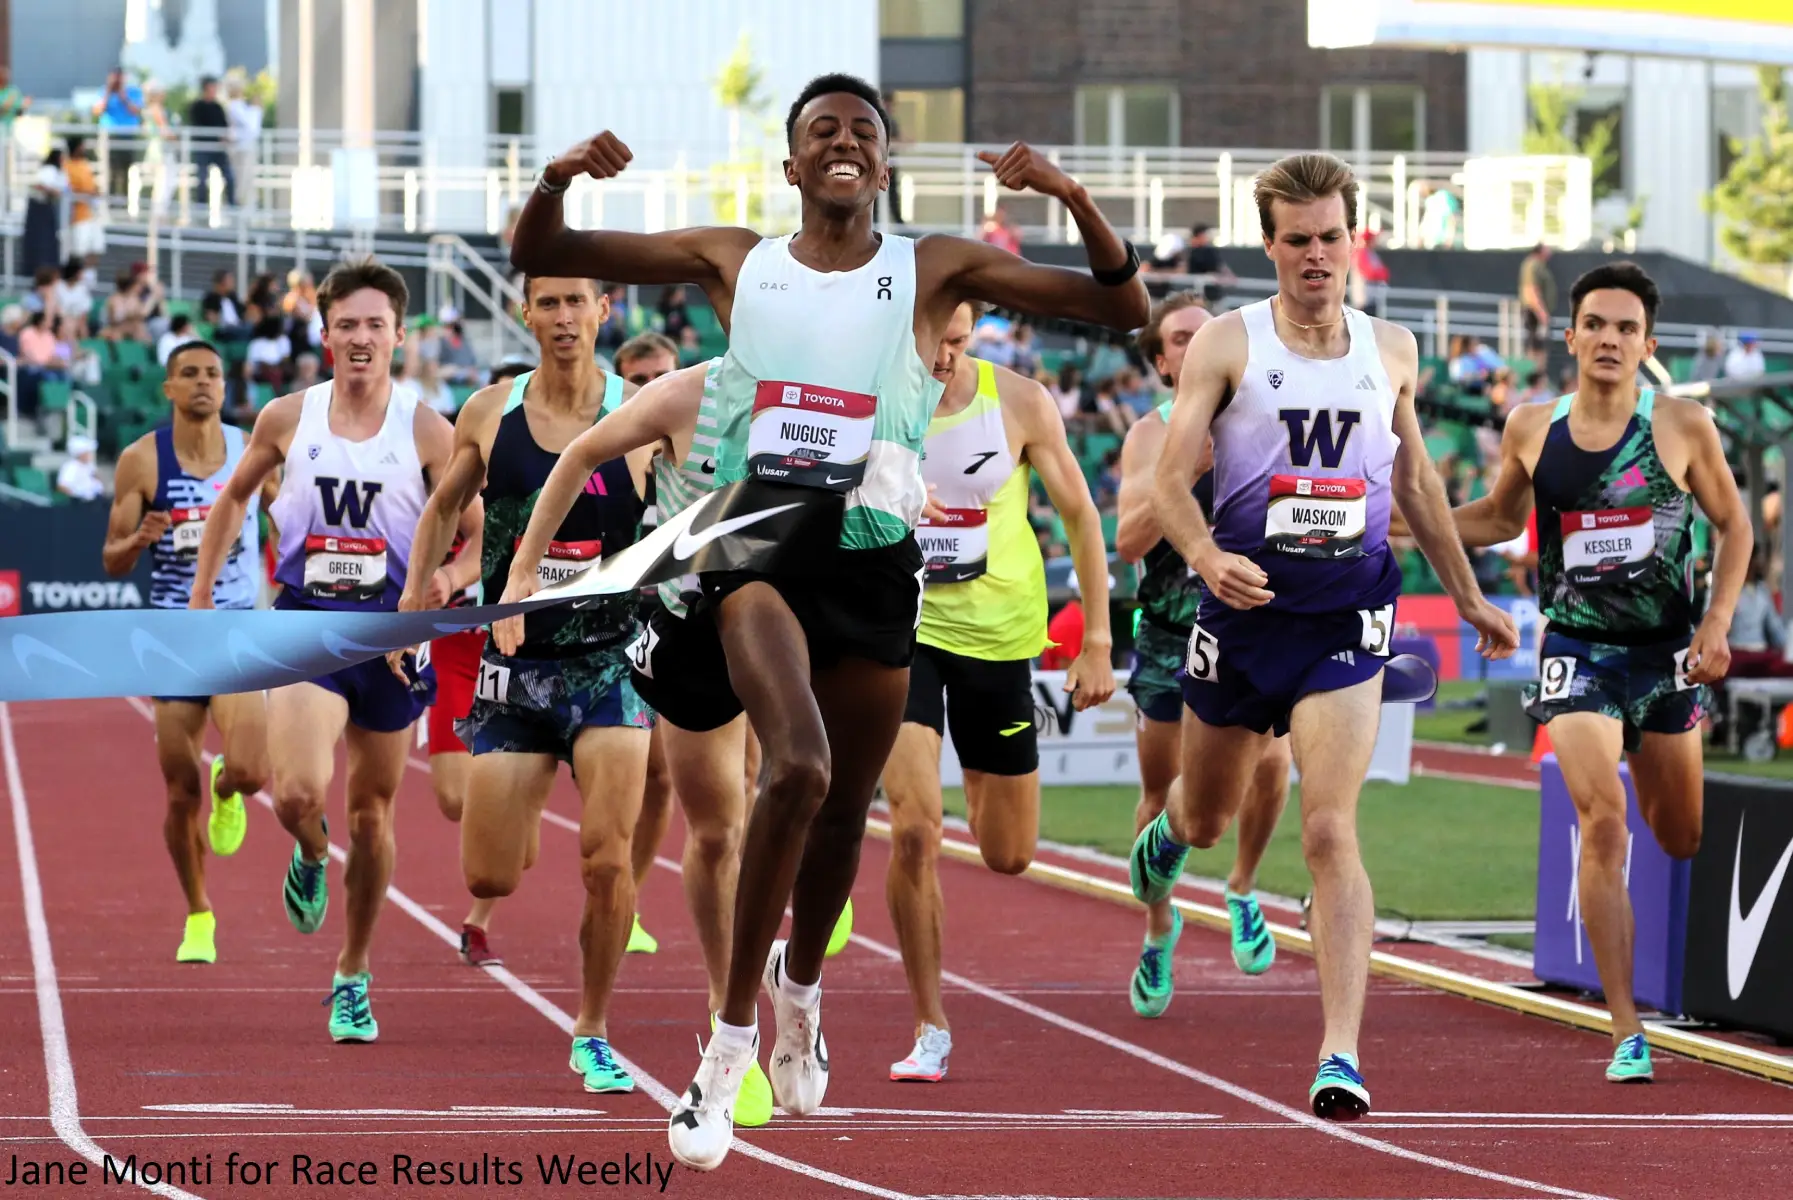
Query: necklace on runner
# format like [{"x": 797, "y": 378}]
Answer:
[{"x": 1298, "y": 324}]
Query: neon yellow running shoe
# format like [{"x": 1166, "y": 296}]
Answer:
[
  {"x": 230, "y": 820},
  {"x": 753, "y": 1103},
  {"x": 837, "y": 941},
  {"x": 199, "y": 944},
  {"x": 640, "y": 940}
]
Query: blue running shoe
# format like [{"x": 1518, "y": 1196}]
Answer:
[
  {"x": 1152, "y": 981},
  {"x": 592, "y": 1058},
  {"x": 307, "y": 890},
  {"x": 351, "y": 1011},
  {"x": 1339, "y": 1093},
  {"x": 1631, "y": 1061},
  {"x": 1253, "y": 947},
  {"x": 1156, "y": 862}
]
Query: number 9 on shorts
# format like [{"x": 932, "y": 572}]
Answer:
[{"x": 1554, "y": 678}]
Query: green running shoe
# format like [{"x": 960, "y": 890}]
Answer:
[
  {"x": 229, "y": 821},
  {"x": 351, "y": 1011},
  {"x": 307, "y": 891},
  {"x": 1156, "y": 862},
  {"x": 592, "y": 1058},
  {"x": 1631, "y": 1062},
  {"x": 1339, "y": 1093},
  {"x": 1253, "y": 947},
  {"x": 640, "y": 940},
  {"x": 837, "y": 941},
  {"x": 1152, "y": 978}
]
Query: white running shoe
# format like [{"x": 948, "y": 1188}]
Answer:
[
  {"x": 703, "y": 1121},
  {"x": 927, "y": 1062},
  {"x": 799, "y": 1066}
]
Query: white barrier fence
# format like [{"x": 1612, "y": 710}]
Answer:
[{"x": 1096, "y": 746}]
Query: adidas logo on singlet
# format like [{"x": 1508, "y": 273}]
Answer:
[{"x": 1366, "y": 384}]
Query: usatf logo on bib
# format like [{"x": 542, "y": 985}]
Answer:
[{"x": 808, "y": 435}]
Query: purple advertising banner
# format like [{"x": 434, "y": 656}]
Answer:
[{"x": 1561, "y": 953}]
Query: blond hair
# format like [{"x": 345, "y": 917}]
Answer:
[
  {"x": 1302, "y": 179},
  {"x": 644, "y": 345},
  {"x": 1151, "y": 335}
]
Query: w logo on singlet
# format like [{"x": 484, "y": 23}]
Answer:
[
  {"x": 347, "y": 504},
  {"x": 1303, "y": 441}
]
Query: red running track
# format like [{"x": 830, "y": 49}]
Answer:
[{"x": 1057, "y": 1089}]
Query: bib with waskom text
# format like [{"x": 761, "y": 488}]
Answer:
[
  {"x": 956, "y": 547},
  {"x": 1610, "y": 546},
  {"x": 1316, "y": 518},
  {"x": 344, "y": 568},
  {"x": 564, "y": 560},
  {"x": 814, "y": 436},
  {"x": 187, "y": 527}
]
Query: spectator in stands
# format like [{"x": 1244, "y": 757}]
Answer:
[
  {"x": 1757, "y": 630},
  {"x": 645, "y": 357},
  {"x": 13, "y": 104},
  {"x": 999, "y": 230},
  {"x": 180, "y": 331},
  {"x": 1469, "y": 371},
  {"x": 86, "y": 229},
  {"x": 223, "y": 309},
  {"x": 1027, "y": 358},
  {"x": 455, "y": 356},
  {"x": 1537, "y": 296},
  {"x": 615, "y": 329},
  {"x": 153, "y": 175},
  {"x": 423, "y": 367},
  {"x": 1745, "y": 360},
  {"x": 993, "y": 340},
  {"x": 1441, "y": 218},
  {"x": 673, "y": 317},
  {"x": 1709, "y": 363},
  {"x": 208, "y": 127},
  {"x": 1537, "y": 389},
  {"x": 42, "y": 297},
  {"x": 78, "y": 478},
  {"x": 73, "y": 301},
  {"x": 1202, "y": 259},
  {"x": 38, "y": 348},
  {"x": 306, "y": 372},
  {"x": 269, "y": 350},
  {"x": 300, "y": 304},
  {"x": 1134, "y": 393},
  {"x": 1068, "y": 393},
  {"x": 136, "y": 307},
  {"x": 1369, "y": 275},
  {"x": 245, "y": 135},
  {"x": 12, "y": 320},
  {"x": 43, "y": 215},
  {"x": 1106, "y": 410},
  {"x": 120, "y": 114},
  {"x": 1064, "y": 633},
  {"x": 690, "y": 346}
]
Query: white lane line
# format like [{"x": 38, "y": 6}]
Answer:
[
  {"x": 59, "y": 1068},
  {"x": 563, "y": 1020}
]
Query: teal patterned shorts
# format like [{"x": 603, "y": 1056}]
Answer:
[
  {"x": 1642, "y": 686},
  {"x": 540, "y": 706},
  {"x": 1157, "y": 659}
]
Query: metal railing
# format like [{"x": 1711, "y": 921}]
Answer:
[{"x": 456, "y": 272}]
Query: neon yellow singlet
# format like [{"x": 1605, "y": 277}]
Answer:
[{"x": 999, "y": 614}]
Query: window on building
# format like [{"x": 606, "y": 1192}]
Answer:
[
  {"x": 921, "y": 18},
  {"x": 929, "y": 114},
  {"x": 1127, "y": 116},
  {"x": 509, "y": 112},
  {"x": 1598, "y": 105},
  {"x": 1736, "y": 118},
  {"x": 1371, "y": 120}
]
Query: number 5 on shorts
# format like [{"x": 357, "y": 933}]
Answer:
[
  {"x": 1555, "y": 677},
  {"x": 1203, "y": 660}
]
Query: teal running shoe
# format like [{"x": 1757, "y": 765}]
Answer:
[
  {"x": 307, "y": 891},
  {"x": 1156, "y": 862},
  {"x": 1339, "y": 1093},
  {"x": 1631, "y": 1062},
  {"x": 1153, "y": 983},
  {"x": 1253, "y": 947},
  {"x": 351, "y": 1011},
  {"x": 592, "y": 1058}
]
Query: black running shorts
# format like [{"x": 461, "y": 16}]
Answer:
[
  {"x": 678, "y": 667},
  {"x": 995, "y": 722}
]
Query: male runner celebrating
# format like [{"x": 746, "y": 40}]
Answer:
[
  {"x": 560, "y": 691},
  {"x": 1626, "y": 657},
  {"x": 827, "y": 384},
  {"x": 359, "y": 454},
  {"x": 983, "y": 621},
  {"x": 1310, "y": 405},
  {"x": 677, "y": 665},
  {"x": 1169, "y": 594},
  {"x": 163, "y": 496}
]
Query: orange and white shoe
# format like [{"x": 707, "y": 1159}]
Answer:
[{"x": 927, "y": 1062}]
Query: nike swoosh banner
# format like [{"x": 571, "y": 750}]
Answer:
[{"x": 178, "y": 652}]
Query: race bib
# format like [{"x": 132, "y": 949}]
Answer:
[
  {"x": 956, "y": 547},
  {"x": 1203, "y": 658},
  {"x": 1613, "y": 545},
  {"x": 344, "y": 568},
  {"x": 810, "y": 435},
  {"x": 1555, "y": 676},
  {"x": 187, "y": 528},
  {"x": 641, "y": 650},
  {"x": 494, "y": 683},
  {"x": 564, "y": 560},
  {"x": 1316, "y": 518},
  {"x": 1378, "y": 628}
]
